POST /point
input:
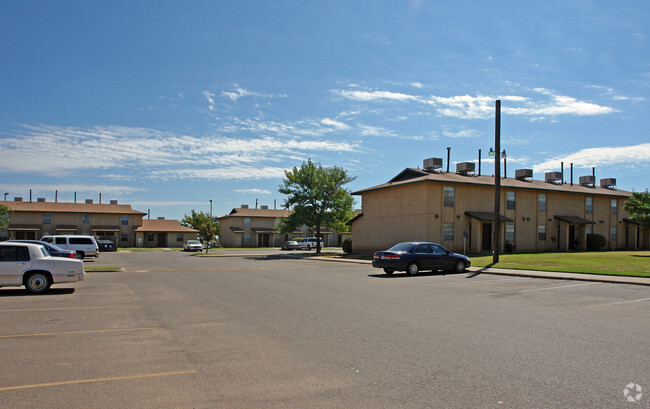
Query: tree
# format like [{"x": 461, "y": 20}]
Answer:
[
  {"x": 317, "y": 197},
  {"x": 4, "y": 217},
  {"x": 638, "y": 206},
  {"x": 207, "y": 226}
]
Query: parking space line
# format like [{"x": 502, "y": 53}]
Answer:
[
  {"x": 198, "y": 269},
  {"x": 547, "y": 288},
  {"x": 70, "y": 308},
  {"x": 473, "y": 282},
  {"x": 620, "y": 302},
  {"x": 99, "y": 331},
  {"x": 80, "y": 381}
]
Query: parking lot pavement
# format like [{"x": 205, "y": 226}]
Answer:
[{"x": 173, "y": 330}]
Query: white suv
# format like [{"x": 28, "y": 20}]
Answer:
[
  {"x": 83, "y": 245},
  {"x": 310, "y": 243}
]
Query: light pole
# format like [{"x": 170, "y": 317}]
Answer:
[
  {"x": 503, "y": 156},
  {"x": 497, "y": 182},
  {"x": 6, "y": 196},
  {"x": 210, "y": 208}
]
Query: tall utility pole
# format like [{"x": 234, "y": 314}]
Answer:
[{"x": 497, "y": 182}]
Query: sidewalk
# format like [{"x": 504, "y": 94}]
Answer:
[{"x": 527, "y": 273}]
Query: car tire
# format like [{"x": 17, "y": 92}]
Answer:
[
  {"x": 459, "y": 267},
  {"x": 38, "y": 282},
  {"x": 413, "y": 268},
  {"x": 81, "y": 254},
  {"x": 389, "y": 271}
]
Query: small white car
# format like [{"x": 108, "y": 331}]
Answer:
[
  {"x": 192, "y": 245},
  {"x": 291, "y": 245},
  {"x": 31, "y": 265}
]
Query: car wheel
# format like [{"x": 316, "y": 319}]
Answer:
[
  {"x": 389, "y": 271},
  {"x": 81, "y": 254},
  {"x": 37, "y": 283},
  {"x": 459, "y": 267},
  {"x": 413, "y": 268}
]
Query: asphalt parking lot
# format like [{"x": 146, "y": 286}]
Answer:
[{"x": 174, "y": 330}]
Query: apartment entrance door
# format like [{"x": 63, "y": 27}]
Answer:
[{"x": 486, "y": 242}]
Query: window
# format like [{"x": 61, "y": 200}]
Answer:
[
  {"x": 589, "y": 229},
  {"x": 60, "y": 240},
  {"x": 247, "y": 222},
  {"x": 614, "y": 206},
  {"x": 85, "y": 219},
  {"x": 612, "y": 234},
  {"x": 438, "y": 249},
  {"x": 150, "y": 237},
  {"x": 510, "y": 200},
  {"x": 448, "y": 231},
  {"x": 589, "y": 205},
  {"x": 422, "y": 249},
  {"x": 124, "y": 237},
  {"x": 449, "y": 196},
  {"x": 541, "y": 202},
  {"x": 541, "y": 233},
  {"x": 81, "y": 240},
  {"x": 124, "y": 220},
  {"x": 179, "y": 237},
  {"x": 47, "y": 218},
  {"x": 14, "y": 253},
  {"x": 510, "y": 232}
]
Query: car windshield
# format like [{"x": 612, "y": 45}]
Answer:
[
  {"x": 193, "y": 242},
  {"x": 401, "y": 247}
]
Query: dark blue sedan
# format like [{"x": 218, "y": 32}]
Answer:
[
  {"x": 413, "y": 257},
  {"x": 54, "y": 251}
]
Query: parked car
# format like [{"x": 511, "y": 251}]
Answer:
[
  {"x": 291, "y": 245},
  {"x": 31, "y": 265},
  {"x": 192, "y": 245},
  {"x": 414, "y": 257},
  {"x": 310, "y": 243},
  {"x": 84, "y": 245},
  {"x": 106, "y": 245},
  {"x": 55, "y": 251}
]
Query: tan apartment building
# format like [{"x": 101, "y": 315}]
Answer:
[
  {"x": 32, "y": 220},
  {"x": 457, "y": 211},
  {"x": 163, "y": 232},
  {"x": 247, "y": 227}
]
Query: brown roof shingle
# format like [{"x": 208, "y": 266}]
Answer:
[{"x": 59, "y": 207}]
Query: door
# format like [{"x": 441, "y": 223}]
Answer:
[
  {"x": 424, "y": 256},
  {"x": 264, "y": 240},
  {"x": 13, "y": 261},
  {"x": 162, "y": 239},
  {"x": 486, "y": 242},
  {"x": 572, "y": 237}
]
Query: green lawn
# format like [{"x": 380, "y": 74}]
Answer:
[{"x": 624, "y": 263}]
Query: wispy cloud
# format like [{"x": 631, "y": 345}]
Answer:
[
  {"x": 254, "y": 191},
  {"x": 635, "y": 154},
  {"x": 210, "y": 97},
  {"x": 239, "y": 92},
  {"x": 358, "y": 95}
]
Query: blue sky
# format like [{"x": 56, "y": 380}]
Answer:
[{"x": 168, "y": 105}]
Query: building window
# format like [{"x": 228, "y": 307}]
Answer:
[
  {"x": 247, "y": 239},
  {"x": 448, "y": 231},
  {"x": 47, "y": 218},
  {"x": 85, "y": 219},
  {"x": 247, "y": 222},
  {"x": 179, "y": 237},
  {"x": 150, "y": 237},
  {"x": 589, "y": 205},
  {"x": 612, "y": 234},
  {"x": 510, "y": 200},
  {"x": 449, "y": 196},
  {"x": 589, "y": 229},
  {"x": 541, "y": 233},
  {"x": 541, "y": 202},
  {"x": 124, "y": 237},
  {"x": 614, "y": 206},
  {"x": 124, "y": 220},
  {"x": 510, "y": 232}
]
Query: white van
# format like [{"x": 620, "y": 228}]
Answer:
[{"x": 83, "y": 245}]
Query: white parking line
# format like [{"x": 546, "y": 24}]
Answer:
[
  {"x": 473, "y": 282},
  {"x": 620, "y": 302},
  {"x": 544, "y": 289}
]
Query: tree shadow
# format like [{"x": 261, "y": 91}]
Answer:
[{"x": 403, "y": 274}]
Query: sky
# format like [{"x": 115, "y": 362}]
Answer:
[{"x": 169, "y": 105}]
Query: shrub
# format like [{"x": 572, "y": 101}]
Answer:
[
  {"x": 595, "y": 242},
  {"x": 347, "y": 246},
  {"x": 509, "y": 247}
]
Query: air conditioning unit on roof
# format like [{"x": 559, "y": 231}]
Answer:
[
  {"x": 432, "y": 164},
  {"x": 588, "y": 180}
]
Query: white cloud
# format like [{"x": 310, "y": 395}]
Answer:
[
  {"x": 239, "y": 92},
  {"x": 335, "y": 124},
  {"x": 462, "y": 133},
  {"x": 254, "y": 191},
  {"x": 225, "y": 173},
  {"x": 210, "y": 97},
  {"x": 375, "y": 95},
  {"x": 635, "y": 154}
]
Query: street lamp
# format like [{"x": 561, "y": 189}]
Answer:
[
  {"x": 210, "y": 207},
  {"x": 503, "y": 155}
]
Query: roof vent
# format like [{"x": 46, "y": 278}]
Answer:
[
  {"x": 40, "y": 200},
  {"x": 113, "y": 201},
  {"x": 89, "y": 201},
  {"x": 463, "y": 168},
  {"x": 609, "y": 183},
  {"x": 161, "y": 217},
  {"x": 553, "y": 177},
  {"x": 18, "y": 199},
  {"x": 264, "y": 207},
  {"x": 432, "y": 164},
  {"x": 587, "y": 181},
  {"x": 523, "y": 174},
  {"x": 244, "y": 206}
]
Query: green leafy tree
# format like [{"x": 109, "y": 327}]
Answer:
[
  {"x": 638, "y": 206},
  {"x": 4, "y": 217},
  {"x": 207, "y": 226},
  {"x": 317, "y": 197}
]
